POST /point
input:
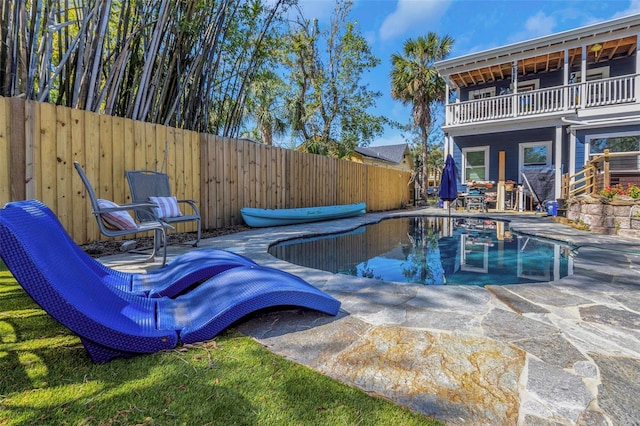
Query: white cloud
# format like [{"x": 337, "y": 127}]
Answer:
[
  {"x": 394, "y": 137},
  {"x": 320, "y": 9},
  {"x": 633, "y": 8},
  {"x": 412, "y": 13},
  {"x": 535, "y": 26}
]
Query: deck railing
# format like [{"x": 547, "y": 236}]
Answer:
[
  {"x": 597, "y": 93},
  {"x": 603, "y": 170}
]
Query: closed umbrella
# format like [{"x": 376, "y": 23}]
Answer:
[{"x": 449, "y": 183}]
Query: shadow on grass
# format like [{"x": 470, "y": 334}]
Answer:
[{"x": 48, "y": 378}]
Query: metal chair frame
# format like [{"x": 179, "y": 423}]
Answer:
[{"x": 155, "y": 225}]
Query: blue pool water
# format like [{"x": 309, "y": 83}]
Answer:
[{"x": 433, "y": 251}]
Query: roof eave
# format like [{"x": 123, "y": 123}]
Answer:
[{"x": 564, "y": 39}]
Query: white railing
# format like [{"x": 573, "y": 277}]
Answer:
[{"x": 597, "y": 93}]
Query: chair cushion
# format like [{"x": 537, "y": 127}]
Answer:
[
  {"x": 119, "y": 220},
  {"x": 167, "y": 206}
]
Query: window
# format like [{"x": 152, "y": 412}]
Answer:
[
  {"x": 528, "y": 85},
  {"x": 482, "y": 93},
  {"x": 592, "y": 74},
  {"x": 616, "y": 142},
  {"x": 475, "y": 164},
  {"x": 535, "y": 154}
]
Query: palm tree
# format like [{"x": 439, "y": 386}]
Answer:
[
  {"x": 265, "y": 108},
  {"x": 415, "y": 81}
]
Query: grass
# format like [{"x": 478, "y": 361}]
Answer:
[{"x": 47, "y": 378}]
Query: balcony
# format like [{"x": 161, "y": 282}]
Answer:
[{"x": 569, "y": 98}]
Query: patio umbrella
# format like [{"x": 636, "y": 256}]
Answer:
[{"x": 449, "y": 183}]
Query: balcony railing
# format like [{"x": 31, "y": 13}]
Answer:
[{"x": 597, "y": 93}]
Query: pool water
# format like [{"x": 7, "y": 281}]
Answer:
[{"x": 433, "y": 251}]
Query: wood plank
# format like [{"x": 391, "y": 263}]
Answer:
[
  {"x": 92, "y": 168},
  {"x": 162, "y": 150},
  {"x": 196, "y": 183},
  {"x": 47, "y": 157},
  {"x": 253, "y": 173},
  {"x": 105, "y": 185},
  {"x": 129, "y": 144},
  {"x": 32, "y": 146},
  {"x": 78, "y": 151},
  {"x": 280, "y": 179},
  {"x": 270, "y": 176},
  {"x": 16, "y": 143},
  {"x": 139, "y": 152},
  {"x": 63, "y": 167},
  {"x": 263, "y": 178},
  {"x": 221, "y": 183},
  {"x": 244, "y": 175},
  {"x": 120, "y": 191},
  {"x": 203, "y": 197},
  {"x": 230, "y": 175},
  {"x": 176, "y": 152},
  {"x": 236, "y": 181},
  {"x": 151, "y": 159},
  {"x": 6, "y": 184}
]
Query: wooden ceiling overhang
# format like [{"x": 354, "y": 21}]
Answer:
[{"x": 545, "y": 54}]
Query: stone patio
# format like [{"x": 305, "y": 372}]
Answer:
[{"x": 560, "y": 353}]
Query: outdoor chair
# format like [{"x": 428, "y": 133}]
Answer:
[
  {"x": 111, "y": 322},
  {"x": 114, "y": 219},
  {"x": 151, "y": 186},
  {"x": 179, "y": 275}
]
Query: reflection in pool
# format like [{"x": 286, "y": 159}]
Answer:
[{"x": 434, "y": 251}]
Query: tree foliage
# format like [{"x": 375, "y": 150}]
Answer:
[
  {"x": 328, "y": 102},
  {"x": 415, "y": 82}
]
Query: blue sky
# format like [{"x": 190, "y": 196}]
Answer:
[{"x": 475, "y": 25}]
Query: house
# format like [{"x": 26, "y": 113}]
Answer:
[
  {"x": 390, "y": 156},
  {"x": 548, "y": 103}
]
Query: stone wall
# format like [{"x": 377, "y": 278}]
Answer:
[{"x": 613, "y": 217}]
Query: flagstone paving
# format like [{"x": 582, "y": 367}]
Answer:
[{"x": 560, "y": 353}]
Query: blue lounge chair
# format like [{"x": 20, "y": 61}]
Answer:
[
  {"x": 112, "y": 322},
  {"x": 170, "y": 280}
]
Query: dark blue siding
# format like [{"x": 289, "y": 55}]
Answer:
[{"x": 508, "y": 142}]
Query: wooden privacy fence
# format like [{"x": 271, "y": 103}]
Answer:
[{"x": 39, "y": 143}]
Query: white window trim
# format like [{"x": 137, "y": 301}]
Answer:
[
  {"x": 587, "y": 143},
  {"x": 587, "y": 140},
  {"x": 527, "y": 83},
  {"x": 491, "y": 91},
  {"x": 605, "y": 71},
  {"x": 484, "y": 148},
  {"x": 524, "y": 145}
]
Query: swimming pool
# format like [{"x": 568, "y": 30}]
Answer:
[{"x": 433, "y": 250}]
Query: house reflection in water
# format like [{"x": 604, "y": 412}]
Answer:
[{"x": 433, "y": 251}]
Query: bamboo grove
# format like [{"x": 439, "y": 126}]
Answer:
[{"x": 187, "y": 64}]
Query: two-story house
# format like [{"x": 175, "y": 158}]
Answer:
[{"x": 548, "y": 103}]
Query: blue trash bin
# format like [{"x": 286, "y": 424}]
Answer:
[{"x": 552, "y": 208}]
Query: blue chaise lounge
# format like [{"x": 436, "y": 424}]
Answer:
[{"x": 111, "y": 321}]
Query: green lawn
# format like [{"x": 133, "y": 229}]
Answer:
[{"x": 47, "y": 378}]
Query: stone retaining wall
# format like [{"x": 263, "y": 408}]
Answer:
[{"x": 617, "y": 218}]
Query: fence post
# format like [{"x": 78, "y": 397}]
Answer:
[{"x": 606, "y": 175}]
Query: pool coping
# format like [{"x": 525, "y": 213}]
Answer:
[{"x": 550, "y": 352}]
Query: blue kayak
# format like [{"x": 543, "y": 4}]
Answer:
[{"x": 259, "y": 218}]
